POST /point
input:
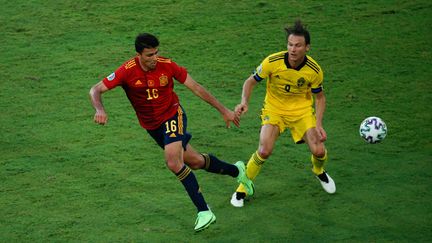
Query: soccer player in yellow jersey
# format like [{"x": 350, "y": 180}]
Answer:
[{"x": 294, "y": 81}]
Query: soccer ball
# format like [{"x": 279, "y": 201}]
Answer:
[{"x": 373, "y": 129}]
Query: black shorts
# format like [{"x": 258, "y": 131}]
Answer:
[{"x": 172, "y": 130}]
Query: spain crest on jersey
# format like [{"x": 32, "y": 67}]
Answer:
[{"x": 163, "y": 80}]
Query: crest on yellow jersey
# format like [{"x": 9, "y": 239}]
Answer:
[{"x": 300, "y": 82}]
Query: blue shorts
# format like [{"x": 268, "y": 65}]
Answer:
[{"x": 172, "y": 130}]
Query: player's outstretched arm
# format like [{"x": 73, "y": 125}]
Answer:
[
  {"x": 248, "y": 86},
  {"x": 227, "y": 114},
  {"x": 95, "y": 93}
]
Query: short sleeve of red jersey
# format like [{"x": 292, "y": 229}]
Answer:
[
  {"x": 116, "y": 78},
  {"x": 179, "y": 73}
]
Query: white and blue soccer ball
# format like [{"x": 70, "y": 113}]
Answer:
[{"x": 373, "y": 129}]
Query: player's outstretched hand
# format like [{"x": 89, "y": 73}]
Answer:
[
  {"x": 240, "y": 109},
  {"x": 229, "y": 116}
]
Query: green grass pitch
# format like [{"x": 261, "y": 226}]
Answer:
[{"x": 65, "y": 179}]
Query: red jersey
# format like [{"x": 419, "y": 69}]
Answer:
[{"x": 151, "y": 93}]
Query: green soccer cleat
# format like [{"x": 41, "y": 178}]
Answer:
[
  {"x": 204, "y": 220},
  {"x": 243, "y": 179}
]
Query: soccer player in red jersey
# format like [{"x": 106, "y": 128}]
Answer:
[{"x": 148, "y": 81}]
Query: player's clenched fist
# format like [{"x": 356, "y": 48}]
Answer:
[{"x": 101, "y": 118}]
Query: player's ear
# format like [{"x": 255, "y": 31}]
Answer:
[{"x": 307, "y": 47}]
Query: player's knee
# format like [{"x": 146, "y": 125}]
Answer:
[
  {"x": 195, "y": 164},
  {"x": 264, "y": 152},
  {"x": 173, "y": 165},
  {"x": 318, "y": 151}
]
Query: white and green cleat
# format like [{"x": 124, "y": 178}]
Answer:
[{"x": 204, "y": 220}]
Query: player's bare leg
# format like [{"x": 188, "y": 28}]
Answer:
[
  {"x": 212, "y": 164},
  {"x": 268, "y": 136},
  {"x": 193, "y": 159},
  {"x": 318, "y": 158}
]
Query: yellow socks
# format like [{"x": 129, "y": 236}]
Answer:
[
  {"x": 318, "y": 163},
  {"x": 255, "y": 163},
  {"x": 253, "y": 168}
]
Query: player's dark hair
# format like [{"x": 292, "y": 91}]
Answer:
[
  {"x": 298, "y": 29},
  {"x": 145, "y": 40}
]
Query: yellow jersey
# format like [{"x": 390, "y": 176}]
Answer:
[{"x": 289, "y": 91}]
